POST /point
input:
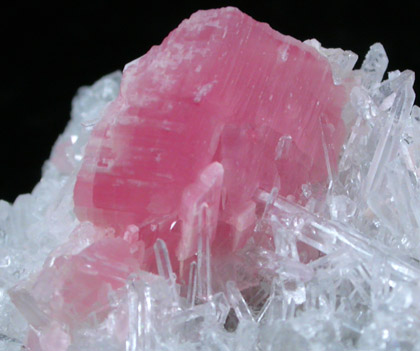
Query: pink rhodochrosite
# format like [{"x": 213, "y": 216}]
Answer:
[
  {"x": 196, "y": 202},
  {"x": 223, "y": 107}
]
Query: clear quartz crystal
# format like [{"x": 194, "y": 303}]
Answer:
[
  {"x": 342, "y": 61},
  {"x": 374, "y": 65},
  {"x": 336, "y": 270}
]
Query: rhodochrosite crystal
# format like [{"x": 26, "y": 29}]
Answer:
[
  {"x": 223, "y": 107},
  {"x": 234, "y": 189}
]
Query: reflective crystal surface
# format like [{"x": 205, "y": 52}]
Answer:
[{"x": 225, "y": 105}]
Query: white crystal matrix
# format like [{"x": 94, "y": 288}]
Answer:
[{"x": 361, "y": 294}]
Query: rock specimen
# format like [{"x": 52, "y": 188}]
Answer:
[
  {"x": 206, "y": 202},
  {"x": 223, "y": 107}
]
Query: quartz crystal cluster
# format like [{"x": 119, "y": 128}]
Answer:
[{"x": 233, "y": 189}]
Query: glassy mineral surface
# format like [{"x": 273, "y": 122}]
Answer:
[
  {"x": 232, "y": 189},
  {"x": 223, "y": 107}
]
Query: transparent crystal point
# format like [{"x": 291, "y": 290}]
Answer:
[{"x": 374, "y": 65}]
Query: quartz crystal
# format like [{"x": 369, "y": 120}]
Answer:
[{"x": 232, "y": 189}]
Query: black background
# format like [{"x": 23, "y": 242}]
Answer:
[{"x": 48, "y": 51}]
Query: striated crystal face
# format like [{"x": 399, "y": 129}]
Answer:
[
  {"x": 233, "y": 190},
  {"x": 223, "y": 107}
]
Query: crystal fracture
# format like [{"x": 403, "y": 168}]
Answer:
[{"x": 233, "y": 189}]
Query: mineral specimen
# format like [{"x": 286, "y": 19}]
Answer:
[
  {"x": 235, "y": 190},
  {"x": 225, "y": 105}
]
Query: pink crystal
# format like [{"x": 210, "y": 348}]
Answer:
[
  {"x": 223, "y": 107},
  {"x": 73, "y": 287}
]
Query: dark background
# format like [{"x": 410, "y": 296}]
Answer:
[{"x": 48, "y": 51}]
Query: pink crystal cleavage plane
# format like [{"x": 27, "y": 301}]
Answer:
[{"x": 223, "y": 107}]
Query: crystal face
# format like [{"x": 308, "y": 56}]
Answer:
[
  {"x": 232, "y": 220},
  {"x": 223, "y": 107}
]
